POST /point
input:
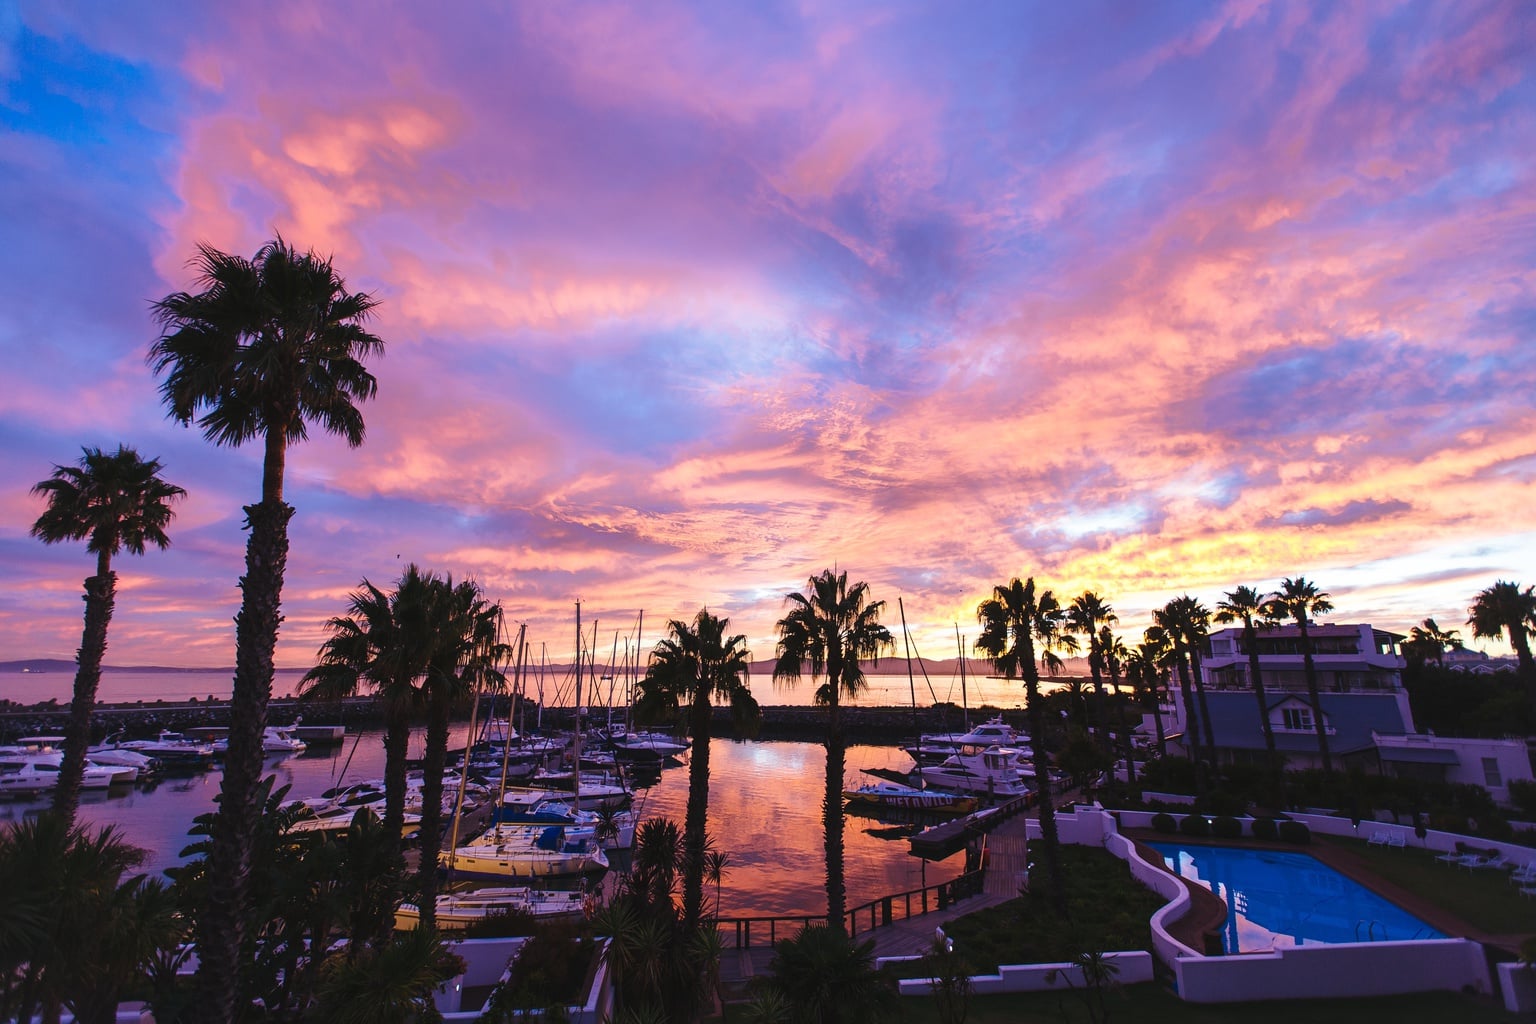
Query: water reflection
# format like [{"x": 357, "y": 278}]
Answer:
[{"x": 764, "y": 813}]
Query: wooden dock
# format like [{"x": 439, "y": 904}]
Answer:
[{"x": 945, "y": 839}]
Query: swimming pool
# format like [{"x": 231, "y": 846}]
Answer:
[{"x": 1277, "y": 900}]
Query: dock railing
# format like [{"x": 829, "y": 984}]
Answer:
[{"x": 744, "y": 932}]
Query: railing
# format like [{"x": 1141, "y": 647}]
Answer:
[{"x": 877, "y": 913}]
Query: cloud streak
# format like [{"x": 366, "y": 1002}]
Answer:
[{"x": 687, "y": 303}]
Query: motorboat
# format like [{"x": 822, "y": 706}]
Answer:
[
  {"x": 28, "y": 774},
  {"x": 526, "y": 852},
  {"x": 104, "y": 754},
  {"x": 597, "y": 789},
  {"x": 995, "y": 772},
  {"x": 276, "y": 739},
  {"x": 894, "y": 794},
  {"x": 326, "y": 816},
  {"x": 174, "y": 750},
  {"x": 646, "y": 746},
  {"x": 456, "y": 910},
  {"x": 932, "y": 748}
]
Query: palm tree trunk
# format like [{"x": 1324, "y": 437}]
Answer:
[
  {"x": 397, "y": 738},
  {"x": 832, "y": 812},
  {"x": 221, "y": 926},
  {"x": 1191, "y": 714},
  {"x": 100, "y": 593},
  {"x": 1196, "y": 669},
  {"x": 1050, "y": 838},
  {"x": 1126, "y": 746},
  {"x": 696, "y": 819},
  {"x": 1527, "y": 666},
  {"x": 1256, "y": 681},
  {"x": 1315, "y": 695},
  {"x": 432, "y": 807}
]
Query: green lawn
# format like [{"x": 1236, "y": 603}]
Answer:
[
  {"x": 1108, "y": 910},
  {"x": 1153, "y": 1004},
  {"x": 1484, "y": 898}
]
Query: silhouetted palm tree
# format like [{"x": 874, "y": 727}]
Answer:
[
  {"x": 384, "y": 644},
  {"x": 1145, "y": 665},
  {"x": 832, "y": 628},
  {"x": 830, "y": 979},
  {"x": 1185, "y": 622},
  {"x": 1085, "y": 615},
  {"x": 698, "y": 665},
  {"x": 1112, "y": 649},
  {"x": 1016, "y": 623},
  {"x": 112, "y": 502},
  {"x": 1428, "y": 642},
  {"x": 467, "y": 653},
  {"x": 1299, "y": 600},
  {"x": 1246, "y": 605},
  {"x": 1505, "y": 609},
  {"x": 269, "y": 346}
]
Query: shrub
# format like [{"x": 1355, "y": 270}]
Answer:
[
  {"x": 1294, "y": 832},
  {"x": 1523, "y": 793},
  {"x": 1266, "y": 828},
  {"x": 1227, "y": 827},
  {"x": 1164, "y": 823},
  {"x": 1195, "y": 825}
]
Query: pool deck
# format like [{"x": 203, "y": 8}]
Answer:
[{"x": 1201, "y": 925}]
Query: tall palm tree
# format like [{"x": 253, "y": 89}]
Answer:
[
  {"x": 385, "y": 644},
  {"x": 1246, "y": 605},
  {"x": 112, "y": 502},
  {"x": 1145, "y": 666},
  {"x": 1428, "y": 642},
  {"x": 1016, "y": 622},
  {"x": 1113, "y": 650},
  {"x": 699, "y": 664},
  {"x": 1506, "y": 609},
  {"x": 832, "y": 627},
  {"x": 1299, "y": 599},
  {"x": 1087, "y": 613},
  {"x": 1186, "y": 621},
  {"x": 467, "y": 655},
  {"x": 269, "y": 346}
]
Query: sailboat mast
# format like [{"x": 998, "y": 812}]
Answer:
[
  {"x": 576, "y": 768},
  {"x": 917, "y": 731},
  {"x": 965, "y": 702},
  {"x": 479, "y": 670},
  {"x": 506, "y": 750}
]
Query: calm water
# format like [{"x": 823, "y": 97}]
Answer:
[
  {"x": 764, "y": 811},
  {"x": 1277, "y": 900},
  {"x": 885, "y": 690}
]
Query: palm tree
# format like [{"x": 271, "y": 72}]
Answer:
[
  {"x": 117, "y": 501},
  {"x": 832, "y": 628},
  {"x": 1427, "y": 641},
  {"x": 1114, "y": 653},
  {"x": 829, "y": 979},
  {"x": 1246, "y": 605},
  {"x": 384, "y": 644},
  {"x": 1184, "y": 621},
  {"x": 269, "y": 346},
  {"x": 1145, "y": 666},
  {"x": 715, "y": 864},
  {"x": 1086, "y": 614},
  {"x": 1299, "y": 599},
  {"x": 699, "y": 664},
  {"x": 1015, "y": 623},
  {"x": 466, "y": 654},
  {"x": 1506, "y": 609}
]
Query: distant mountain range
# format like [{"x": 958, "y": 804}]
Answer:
[{"x": 760, "y": 669}]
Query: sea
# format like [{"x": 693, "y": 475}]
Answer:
[
  {"x": 764, "y": 814},
  {"x": 885, "y": 689}
]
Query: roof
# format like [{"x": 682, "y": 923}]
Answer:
[
  {"x": 1418, "y": 755},
  {"x": 1352, "y": 716}
]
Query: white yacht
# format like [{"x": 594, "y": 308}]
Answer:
[
  {"x": 276, "y": 739},
  {"x": 993, "y": 771}
]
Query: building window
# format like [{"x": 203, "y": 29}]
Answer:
[
  {"x": 1298, "y": 718},
  {"x": 1491, "y": 774}
]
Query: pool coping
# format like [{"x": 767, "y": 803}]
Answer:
[{"x": 1340, "y": 858}]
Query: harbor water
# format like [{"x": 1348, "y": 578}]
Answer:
[{"x": 764, "y": 814}]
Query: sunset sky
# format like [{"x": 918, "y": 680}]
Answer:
[{"x": 684, "y": 303}]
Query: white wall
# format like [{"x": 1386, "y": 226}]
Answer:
[
  {"x": 1133, "y": 968},
  {"x": 1335, "y": 971}
]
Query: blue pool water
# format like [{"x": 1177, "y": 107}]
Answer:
[{"x": 1277, "y": 900}]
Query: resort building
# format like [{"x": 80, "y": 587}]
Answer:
[{"x": 1365, "y": 710}]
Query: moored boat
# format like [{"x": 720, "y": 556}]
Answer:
[
  {"x": 538, "y": 852},
  {"x": 894, "y": 794},
  {"x": 457, "y": 910}
]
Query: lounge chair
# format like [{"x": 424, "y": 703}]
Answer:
[
  {"x": 1377, "y": 839},
  {"x": 1453, "y": 857},
  {"x": 1489, "y": 860},
  {"x": 1524, "y": 874},
  {"x": 1397, "y": 841}
]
